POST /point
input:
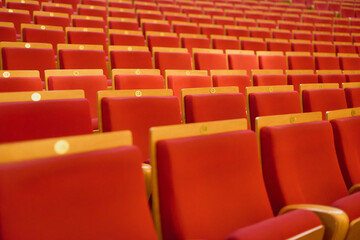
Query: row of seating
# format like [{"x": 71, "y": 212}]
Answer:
[{"x": 68, "y": 188}]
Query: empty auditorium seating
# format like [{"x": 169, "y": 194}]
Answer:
[
  {"x": 300, "y": 61},
  {"x": 137, "y": 111},
  {"x": 35, "y": 115},
  {"x": 155, "y": 25},
  {"x": 7, "y": 32},
  {"x": 162, "y": 39},
  {"x": 324, "y": 47},
  {"x": 272, "y": 60},
  {"x": 89, "y": 80},
  {"x": 229, "y": 78},
  {"x": 349, "y": 61},
  {"x": 231, "y": 186},
  {"x": 137, "y": 79},
  {"x": 331, "y": 76},
  {"x": 191, "y": 41},
  {"x": 88, "y": 22},
  {"x": 130, "y": 57},
  {"x": 254, "y": 44},
  {"x": 225, "y": 42},
  {"x": 57, "y": 7},
  {"x": 242, "y": 60},
  {"x": 209, "y": 59},
  {"x": 278, "y": 45},
  {"x": 17, "y": 17},
  {"x": 91, "y": 10},
  {"x": 211, "y": 29},
  {"x": 301, "y": 45},
  {"x": 185, "y": 27},
  {"x": 262, "y": 77},
  {"x": 126, "y": 37},
  {"x": 326, "y": 62},
  {"x": 20, "y": 81},
  {"x": 171, "y": 58},
  {"x": 27, "y": 5},
  {"x": 123, "y": 23},
  {"x": 297, "y": 77},
  {"x": 352, "y": 92},
  {"x": 52, "y": 19},
  {"x": 80, "y": 35}
]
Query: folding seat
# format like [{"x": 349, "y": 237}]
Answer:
[
  {"x": 352, "y": 93},
  {"x": 262, "y": 77},
  {"x": 231, "y": 78},
  {"x": 320, "y": 5},
  {"x": 273, "y": 16},
  {"x": 236, "y": 31},
  {"x": 126, "y": 37},
  {"x": 124, "y": 79},
  {"x": 225, "y": 42},
  {"x": 185, "y": 27},
  {"x": 209, "y": 59},
  {"x": 17, "y": 17},
  {"x": 89, "y": 80},
  {"x": 130, "y": 24},
  {"x": 341, "y": 29},
  {"x": 281, "y": 34},
  {"x": 213, "y": 12},
  {"x": 352, "y": 75},
  {"x": 212, "y": 104},
  {"x": 135, "y": 57},
  {"x": 291, "y": 17},
  {"x": 199, "y": 18},
  {"x": 345, "y": 47},
  {"x": 169, "y": 8},
  {"x": 254, "y": 14},
  {"x": 36, "y": 115},
  {"x": 323, "y": 37},
  {"x": 211, "y": 29},
  {"x": 303, "y": 35},
  {"x": 180, "y": 79},
  {"x": 234, "y": 13},
  {"x": 171, "y": 58},
  {"x": 297, "y": 77},
  {"x": 322, "y": 97},
  {"x": 27, "y": 5},
  {"x": 162, "y": 39},
  {"x": 300, "y": 61},
  {"x": 347, "y": 12},
  {"x": 323, "y": 28},
  {"x": 65, "y": 179},
  {"x": 266, "y": 24},
  {"x": 278, "y": 45},
  {"x": 191, "y": 10},
  {"x": 7, "y": 32},
  {"x": 286, "y": 25},
  {"x": 342, "y": 37},
  {"x": 331, "y": 76},
  {"x": 301, "y": 46},
  {"x": 175, "y": 17},
  {"x": 27, "y": 56},
  {"x": 314, "y": 148},
  {"x": 73, "y": 3},
  {"x": 224, "y": 21},
  {"x": 245, "y": 22},
  {"x": 88, "y": 22},
  {"x": 349, "y": 61},
  {"x": 20, "y": 81},
  {"x": 345, "y": 124},
  {"x": 121, "y": 12},
  {"x": 259, "y": 32},
  {"x": 146, "y": 6},
  {"x": 242, "y": 60},
  {"x": 210, "y": 148},
  {"x": 155, "y": 25},
  {"x": 138, "y": 111},
  {"x": 272, "y": 60},
  {"x": 43, "y": 34},
  {"x": 85, "y": 56},
  {"x": 308, "y": 18},
  {"x": 90, "y": 10},
  {"x": 52, "y": 19},
  {"x": 271, "y": 100},
  {"x": 57, "y": 8},
  {"x": 251, "y": 43},
  {"x": 306, "y": 26},
  {"x": 191, "y": 41},
  {"x": 326, "y": 61},
  {"x": 95, "y": 36}
]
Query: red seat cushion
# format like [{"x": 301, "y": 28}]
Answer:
[
  {"x": 240, "y": 81},
  {"x": 352, "y": 97},
  {"x": 298, "y": 79},
  {"x": 301, "y": 62},
  {"x": 269, "y": 79},
  {"x": 210, "y": 61},
  {"x": 20, "y": 84},
  {"x": 139, "y": 82},
  {"x": 272, "y": 62},
  {"x": 172, "y": 60},
  {"x": 332, "y": 78},
  {"x": 131, "y": 59},
  {"x": 350, "y": 205},
  {"x": 327, "y": 63}
]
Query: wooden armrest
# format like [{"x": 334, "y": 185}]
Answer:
[
  {"x": 146, "y": 168},
  {"x": 355, "y": 188}
]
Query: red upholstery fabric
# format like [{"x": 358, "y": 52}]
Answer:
[
  {"x": 269, "y": 79},
  {"x": 83, "y": 59},
  {"x": 253, "y": 45},
  {"x": 297, "y": 79},
  {"x": 163, "y": 41},
  {"x": 278, "y": 46},
  {"x": 272, "y": 62},
  {"x": 123, "y": 25},
  {"x": 138, "y": 115},
  {"x": 350, "y": 205},
  {"x": 346, "y": 132},
  {"x": 7, "y": 34},
  {"x": 275, "y": 103},
  {"x": 210, "y": 61},
  {"x": 127, "y": 39},
  {"x": 31, "y": 7},
  {"x": 131, "y": 59},
  {"x": 352, "y": 97},
  {"x": 212, "y": 30},
  {"x": 323, "y": 100},
  {"x": 52, "y": 21},
  {"x": 90, "y": 84},
  {"x": 324, "y": 37},
  {"x": 44, "y": 119},
  {"x": 214, "y": 107},
  {"x": 323, "y": 47},
  {"x": 89, "y": 23},
  {"x": 80, "y": 37},
  {"x": 176, "y": 83},
  {"x": 121, "y": 14},
  {"x": 260, "y": 34},
  {"x": 280, "y": 227},
  {"x": 243, "y": 62},
  {"x": 349, "y": 63},
  {"x": 74, "y": 3},
  {"x": 172, "y": 60},
  {"x": 155, "y": 16},
  {"x": 332, "y": 78},
  {"x": 327, "y": 63},
  {"x": 156, "y": 27},
  {"x": 79, "y": 196},
  {"x": 352, "y": 77},
  {"x": 300, "y": 164},
  {"x": 20, "y": 84},
  {"x": 44, "y": 36},
  {"x": 226, "y": 44},
  {"x": 345, "y": 49},
  {"x": 240, "y": 81},
  {"x": 190, "y": 43},
  {"x": 123, "y": 82},
  {"x": 301, "y": 62},
  {"x": 302, "y": 47},
  {"x": 58, "y": 9},
  {"x": 237, "y": 32},
  {"x": 178, "y": 28},
  {"x": 191, "y": 193},
  {"x": 92, "y": 12},
  {"x": 28, "y": 59}
]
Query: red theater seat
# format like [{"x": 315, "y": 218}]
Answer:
[
  {"x": 133, "y": 57},
  {"x": 170, "y": 58},
  {"x": 353, "y": 97}
]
